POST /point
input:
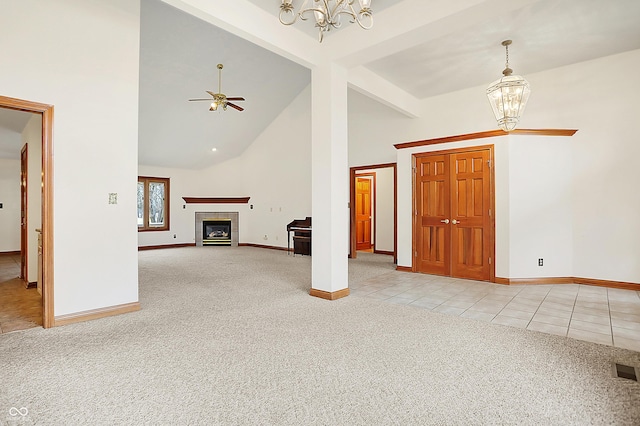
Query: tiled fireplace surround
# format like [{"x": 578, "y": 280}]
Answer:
[{"x": 200, "y": 216}]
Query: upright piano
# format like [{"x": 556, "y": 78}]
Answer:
[{"x": 301, "y": 229}]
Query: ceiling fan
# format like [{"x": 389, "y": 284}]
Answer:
[{"x": 220, "y": 99}]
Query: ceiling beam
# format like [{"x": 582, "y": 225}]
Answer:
[
  {"x": 375, "y": 87},
  {"x": 421, "y": 21},
  {"x": 253, "y": 24}
]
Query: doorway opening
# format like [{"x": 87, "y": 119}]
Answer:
[
  {"x": 44, "y": 209},
  {"x": 373, "y": 213}
]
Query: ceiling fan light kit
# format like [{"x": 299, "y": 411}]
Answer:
[
  {"x": 220, "y": 99},
  {"x": 327, "y": 13},
  {"x": 508, "y": 96}
]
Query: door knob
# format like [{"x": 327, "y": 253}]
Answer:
[
  {"x": 455, "y": 221},
  {"x": 445, "y": 221}
]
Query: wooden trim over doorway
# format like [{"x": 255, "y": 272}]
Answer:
[
  {"x": 352, "y": 203},
  {"x": 487, "y": 134},
  {"x": 46, "y": 111}
]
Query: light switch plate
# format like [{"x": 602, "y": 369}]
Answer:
[{"x": 113, "y": 198}]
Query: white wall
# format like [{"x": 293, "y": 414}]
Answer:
[
  {"x": 275, "y": 171},
  {"x": 540, "y": 174},
  {"x": 10, "y": 199},
  {"x": 599, "y": 238},
  {"x": 82, "y": 57},
  {"x": 32, "y": 137}
]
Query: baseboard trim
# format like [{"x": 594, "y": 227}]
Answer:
[
  {"x": 334, "y": 295},
  {"x": 606, "y": 283},
  {"x": 164, "y": 246},
  {"x": 388, "y": 253},
  {"x": 9, "y": 253},
  {"x": 404, "y": 268},
  {"x": 264, "y": 246},
  {"x": 96, "y": 314},
  {"x": 569, "y": 280},
  {"x": 534, "y": 281}
]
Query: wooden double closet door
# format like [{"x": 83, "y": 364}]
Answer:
[{"x": 453, "y": 213}]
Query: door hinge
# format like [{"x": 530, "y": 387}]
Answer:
[
  {"x": 489, "y": 163},
  {"x": 489, "y": 261},
  {"x": 416, "y": 254},
  {"x": 489, "y": 212}
]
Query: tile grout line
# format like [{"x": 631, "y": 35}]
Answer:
[
  {"x": 573, "y": 308},
  {"x": 613, "y": 342}
]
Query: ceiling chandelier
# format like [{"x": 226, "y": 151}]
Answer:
[
  {"x": 508, "y": 96},
  {"x": 327, "y": 13}
]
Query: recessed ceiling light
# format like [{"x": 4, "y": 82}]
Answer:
[{"x": 214, "y": 149}]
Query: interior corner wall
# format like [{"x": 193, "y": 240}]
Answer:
[
  {"x": 10, "y": 199},
  {"x": 91, "y": 52},
  {"x": 274, "y": 171},
  {"x": 277, "y": 172},
  {"x": 32, "y": 137},
  {"x": 602, "y": 240},
  {"x": 193, "y": 183}
]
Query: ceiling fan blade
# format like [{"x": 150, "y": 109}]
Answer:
[
  {"x": 235, "y": 99},
  {"x": 211, "y": 93},
  {"x": 235, "y": 106},
  {"x": 201, "y": 100}
]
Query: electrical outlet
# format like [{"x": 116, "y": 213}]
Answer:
[
  {"x": 113, "y": 198},
  {"x": 540, "y": 262},
  {"x": 266, "y": 237}
]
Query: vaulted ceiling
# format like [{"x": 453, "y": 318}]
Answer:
[{"x": 416, "y": 49}]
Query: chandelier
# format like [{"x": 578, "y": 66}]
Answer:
[
  {"x": 327, "y": 13},
  {"x": 508, "y": 96}
]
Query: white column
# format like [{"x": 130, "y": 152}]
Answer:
[{"x": 329, "y": 180}]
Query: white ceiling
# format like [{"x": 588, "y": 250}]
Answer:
[{"x": 419, "y": 48}]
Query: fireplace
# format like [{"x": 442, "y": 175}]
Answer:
[
  {"x": 216, "y": 229},
  {"x": 216, "y": 232}
]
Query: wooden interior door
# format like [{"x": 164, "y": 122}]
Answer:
[
  {"x": 471, "y": 225},
  {"x": 363, "y": 213},
  {"x": 432, "y": 207},
  {"x": 453, "y": 228},
  {"x": 23, "y": 215}
]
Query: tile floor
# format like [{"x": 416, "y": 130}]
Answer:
[
  {"x": 20, "y": 308},
  {"x": 595, "y": 314}
]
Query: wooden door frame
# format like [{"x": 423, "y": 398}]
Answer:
[
  {"x": 352, "y": 203},
  {"x": 492, "y": 186},
  {"x": 46, "y": 111},
  {"x": 24, "y": 217},
  {"x": 373, "y": 201}
]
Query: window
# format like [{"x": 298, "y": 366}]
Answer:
[{"x": 153, "y": 204}]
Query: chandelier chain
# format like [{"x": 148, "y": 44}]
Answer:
[{"x": 507, "y": 64}]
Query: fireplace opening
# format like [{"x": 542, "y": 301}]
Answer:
[{"x": 216, "y": 232}]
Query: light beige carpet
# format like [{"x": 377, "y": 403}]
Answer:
[{"x": 229, "y": 336}]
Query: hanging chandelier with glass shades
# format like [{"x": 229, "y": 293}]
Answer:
[
  {"x": 327, "y": 13},
  {"x": 508, "y": 96}
]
